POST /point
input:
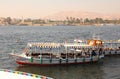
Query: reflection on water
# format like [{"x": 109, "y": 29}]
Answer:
[
  {"x": 86, "y": 71},
  {"x": 111, "y": 67}
]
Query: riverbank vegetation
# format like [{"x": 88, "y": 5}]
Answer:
[{"x": 71, "y": 21}]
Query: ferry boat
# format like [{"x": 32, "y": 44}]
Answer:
[
  {"x": 111, "y": 47},
  {"x": 50, "y": 54}
]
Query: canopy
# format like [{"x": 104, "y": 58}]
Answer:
[
  {"x": 45, "y": 45},
  {"x": 77, "y": 45}
]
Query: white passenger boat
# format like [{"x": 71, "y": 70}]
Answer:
[{"x": 50, "y": 54}]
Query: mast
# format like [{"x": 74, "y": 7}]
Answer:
[{"x": 66, "y": 52}]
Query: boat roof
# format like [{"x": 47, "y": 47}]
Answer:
[
  {"x": 57, "y": 45},
  {"x": 6, "y": 74},
  {"x": 45, "y": 45},
  {"x": 77, "y": 45}
]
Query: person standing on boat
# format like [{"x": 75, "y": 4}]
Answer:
[
  {"x": 100, "y": 51},
  {"x": 93, "y": 53},
  {"x": 83, "y": 54}
]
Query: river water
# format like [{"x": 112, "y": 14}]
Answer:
[{"x": 16, "y": 38}]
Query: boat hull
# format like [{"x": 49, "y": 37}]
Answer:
[
  {"x": 6, "y": 74},
  {"x": 53, "y": 62},
  {"x": 38, "y": 64},
  {"x": 111, "y": 52}
]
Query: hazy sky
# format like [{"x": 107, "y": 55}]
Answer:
[{"x": 40, "y": 8}]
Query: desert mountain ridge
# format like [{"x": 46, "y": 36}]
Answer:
[{"x": 81, "y": 14}]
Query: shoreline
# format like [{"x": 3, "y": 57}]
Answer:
[{"x": 49, "y": 25}]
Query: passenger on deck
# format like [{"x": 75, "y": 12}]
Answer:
[
  {"x": 83, "y": 54},
  {"x": 100, "y": 51},
  {"x": 93, "y": 53}
]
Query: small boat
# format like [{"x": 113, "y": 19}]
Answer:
[
  {"x": 6, "y": 74},
  {"x": 51, "y": 54}
]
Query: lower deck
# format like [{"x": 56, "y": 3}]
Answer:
[{"x": 57, "y": 61}]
